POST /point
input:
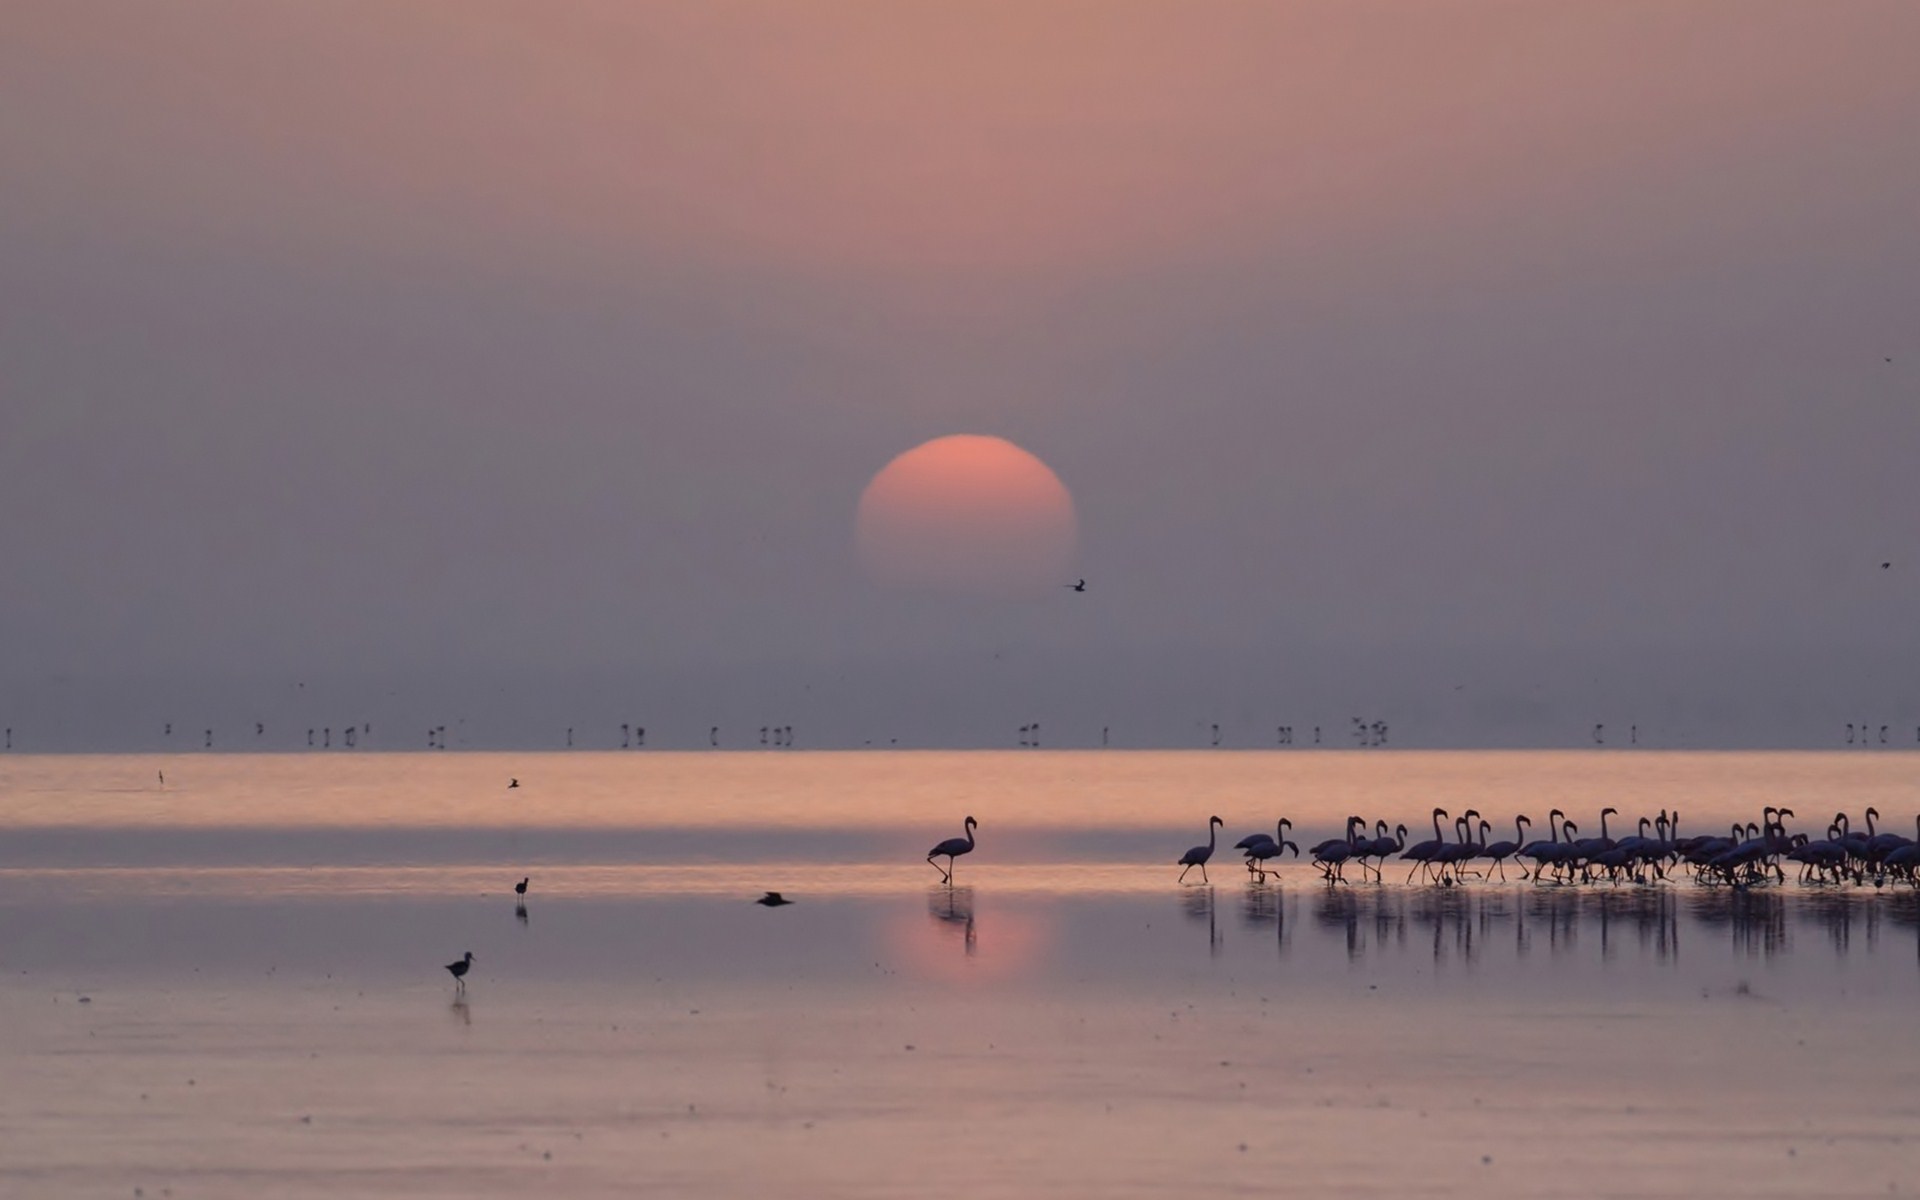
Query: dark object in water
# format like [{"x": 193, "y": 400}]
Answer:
[
  {"x": 460, "y": 968},
  {"x": 772, "y": 900}
]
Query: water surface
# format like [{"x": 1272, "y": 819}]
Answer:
[{"x": 258, "y": 945}]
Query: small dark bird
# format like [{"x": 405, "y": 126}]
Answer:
[
  {"x": 772, "y": 900},
  {"x": 1077, "y": 586},
  {"x": 460, "y": 969},
  {"x": 1885, "y": 565},
  {"x": 513, "y": 783},
  {"x": 520, "y": 889}
]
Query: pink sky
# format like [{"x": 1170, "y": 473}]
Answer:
[{"x": 1548, "y": 340}]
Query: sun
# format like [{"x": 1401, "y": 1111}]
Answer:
[{"x": 967, "y": 514}]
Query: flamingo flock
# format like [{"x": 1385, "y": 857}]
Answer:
[{"x": 1749, "y": 855}]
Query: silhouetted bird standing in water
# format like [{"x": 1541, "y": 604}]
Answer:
[
  {"x": 460, "y": 969},
  {"x": 520, "y": 889},
  {"x": 1198, "y": 856},
  {"x": 951, "y": 849},
  {"x": 1077, "y": 586},
  {"x": 773, "y": 900}
]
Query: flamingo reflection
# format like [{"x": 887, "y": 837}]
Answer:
[
  {"x": 1197, "y": 903},
  {"x": 952, "y": 909}
]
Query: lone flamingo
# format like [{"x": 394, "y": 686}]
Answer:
[{"x": 951, "y": 849}]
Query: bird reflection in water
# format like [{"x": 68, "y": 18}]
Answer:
[
  {"x": 1651, "y": 915},
  {"x": 520, "y": 913},
  {"x": 460, "y": 1010},
  {"x": 1364, "y": 918},
  {"x": 952, "y": 908},
  {"x": 1197, "y": 903},
  {"x": 1464, "y": 925},
  {"x": 1755, "y": 921},
  {"x": 1262, "y": 906}
]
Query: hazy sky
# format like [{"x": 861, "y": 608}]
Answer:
[{"x": 1491, "y": 369}]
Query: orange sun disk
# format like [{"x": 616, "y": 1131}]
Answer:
[{"x": 968, "y": 514}]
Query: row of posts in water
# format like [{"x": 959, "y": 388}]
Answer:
[{"x": 1360, "y": 733}]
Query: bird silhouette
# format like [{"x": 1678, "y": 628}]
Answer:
[
  {"x": 1077, "y": 586},
  {"x": 772, "y": 900},
  {"x": 1885, "y": 565},
  {"x": 513, "y": 783},
  {"x": 951, "y": 849},
  {"x": 1198, "y": 856},
  {"x": 520, "y": 889},
  {"x": 459, "y": 968}
]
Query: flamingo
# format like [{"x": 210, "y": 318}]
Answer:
[
  {"x": 1556, "y": 854},
  {"x": 1462, "y": 849},
  {"x": 1532, "y": 849},
  {"x": 1346, "y": 839},
  {"x": 1879, "y": 845},
  {"x": 1385, "y": 847},
  {"x": 1254, "y": 841},
  {"x": 1332, "y": 854},
  {"x": 1500, "y": 852},
  {"x": 951, "y": 849},
  {"x": 459, "y": 968},
  {"x": 1588, "y": 847},
  {"x": 1198, "y": 856},
  {"x": 1257, "y": 856},
  {"x": 1421, "y": 853}
]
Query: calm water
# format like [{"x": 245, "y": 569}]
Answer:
[{"x": 258, "y": 942}]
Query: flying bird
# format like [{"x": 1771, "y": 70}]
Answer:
[
  {"x": 1077, "y": 586},
  {"x": 513, "y": 783},
  {"x": 459, "y": 968},
  {"x": 772, "y": 900}
]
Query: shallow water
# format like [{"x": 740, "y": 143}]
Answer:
[{"x": 258, "y": 948}]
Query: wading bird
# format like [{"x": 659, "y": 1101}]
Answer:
[
  {"x": 951, "y": 849},
  {"x": 1198, "y": 856},
  {"x": 459, "y": 969}
]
